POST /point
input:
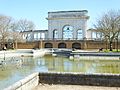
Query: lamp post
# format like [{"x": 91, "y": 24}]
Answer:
[{"x": 4, "y": 48}]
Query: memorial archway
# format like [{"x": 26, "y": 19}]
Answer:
[
  {"x": 55, "y": 34},
  {"x": 67, "y": 32},
  {"x": 79, "y": 34}
]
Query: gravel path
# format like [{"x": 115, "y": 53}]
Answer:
[{"x": 73, "y": 87}]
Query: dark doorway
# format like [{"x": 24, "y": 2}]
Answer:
[
  {"x": 76, "y": 45},
  {"x": 61, "y": 45},
  {"x": 48, "y": 45}
]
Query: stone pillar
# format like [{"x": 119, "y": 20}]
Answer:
[
  {"x": 75, "y": 33},
  {"x": 85, "y": 43},
  {"x": 60, "y": 33},
  {"x": 85, "y": 28}
]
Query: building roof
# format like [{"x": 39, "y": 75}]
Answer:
[
  {"x": 34, "y": 31},
  {"x": 69, "y": 11}
]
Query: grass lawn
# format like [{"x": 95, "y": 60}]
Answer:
[{"x": 114, "y": 50}]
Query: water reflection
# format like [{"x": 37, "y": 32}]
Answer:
[{"x": 17, "y": 68}]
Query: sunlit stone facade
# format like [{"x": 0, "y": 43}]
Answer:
[
  {"x": 66, "y": 25},
  {"x": 75, "y": 23}
]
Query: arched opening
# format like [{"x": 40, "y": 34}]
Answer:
[
  {"x": 76, "y": 45},
  {"x": 42, "y": 36},
  {"x": 67, "y": 32},
  {"x": 48, "y": 45},
  {"x": 55, "y": 34},
  {"x": 79, "y": 34},
  {"x": 61, "y": 45}
]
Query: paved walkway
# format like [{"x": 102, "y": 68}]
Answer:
[{"x": 73, "y": 87}]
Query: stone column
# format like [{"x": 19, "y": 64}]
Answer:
[
  {"x": 75, "y": 33},
  {"x": 85, "y": 28},
  {"x": 60, "y": 33}
]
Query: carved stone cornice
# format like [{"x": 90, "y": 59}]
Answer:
[{"x": 58, "y": 18}]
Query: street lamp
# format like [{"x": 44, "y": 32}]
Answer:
[{"x": 4, "y": 48}]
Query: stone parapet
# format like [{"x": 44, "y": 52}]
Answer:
[
  {"x": 110, "y": 80},
  {"x": 65, "y": 14},
  {"x": 27, "y": 83},
  {"x": 66, "y": 78}
]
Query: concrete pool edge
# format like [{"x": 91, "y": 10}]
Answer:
[
  {"x": 22, "y": 52},
  {"x": 27, "y": 83},
  {"x": 96, "y": 79},
  {"x": 73, "y": 55},
  {"x": 66, "y": 78}
]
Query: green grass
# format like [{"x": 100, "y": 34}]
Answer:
[{"x": 114, "y": 50}]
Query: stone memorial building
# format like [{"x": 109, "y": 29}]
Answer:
[
  {"x": 66, "y": 29},
  {"x": 67, "y": 25}
]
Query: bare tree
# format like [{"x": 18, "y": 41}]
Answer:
[
  {"x": 5, "y": 24},
  {"x": 18, "y": 27},
  {"x": 11, "y": 29},
  {"x": 25, "y": 25},
  {"x": 15, "y": 34},
  {"x": 109, "y": 26}
]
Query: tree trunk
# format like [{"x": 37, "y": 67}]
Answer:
[
  {"x": 110, "y": 45},
  {"x": 16, "y": 44},
  {"x": 107, "y": 44},
  {"x": 117, "y": 45}
]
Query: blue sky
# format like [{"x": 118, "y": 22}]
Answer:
[{"x": 37, "y": 10}]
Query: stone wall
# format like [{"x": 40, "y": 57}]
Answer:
[
  {"x": 84, "y": 44},
  {"x": 100, "y": 44},
  {"x": 28, "y": 45},
  {"x": 80, "y": 79}
]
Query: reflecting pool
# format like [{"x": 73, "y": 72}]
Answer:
[{"x": 16, "y": 68}]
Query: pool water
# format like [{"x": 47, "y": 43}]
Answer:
[{"x": 16, "y": 68}]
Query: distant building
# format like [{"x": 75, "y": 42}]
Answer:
[
  {"x": 65, "y": 25},
  {"x": 66, "y": 29},
  {"x": 35, "y": 35}
]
